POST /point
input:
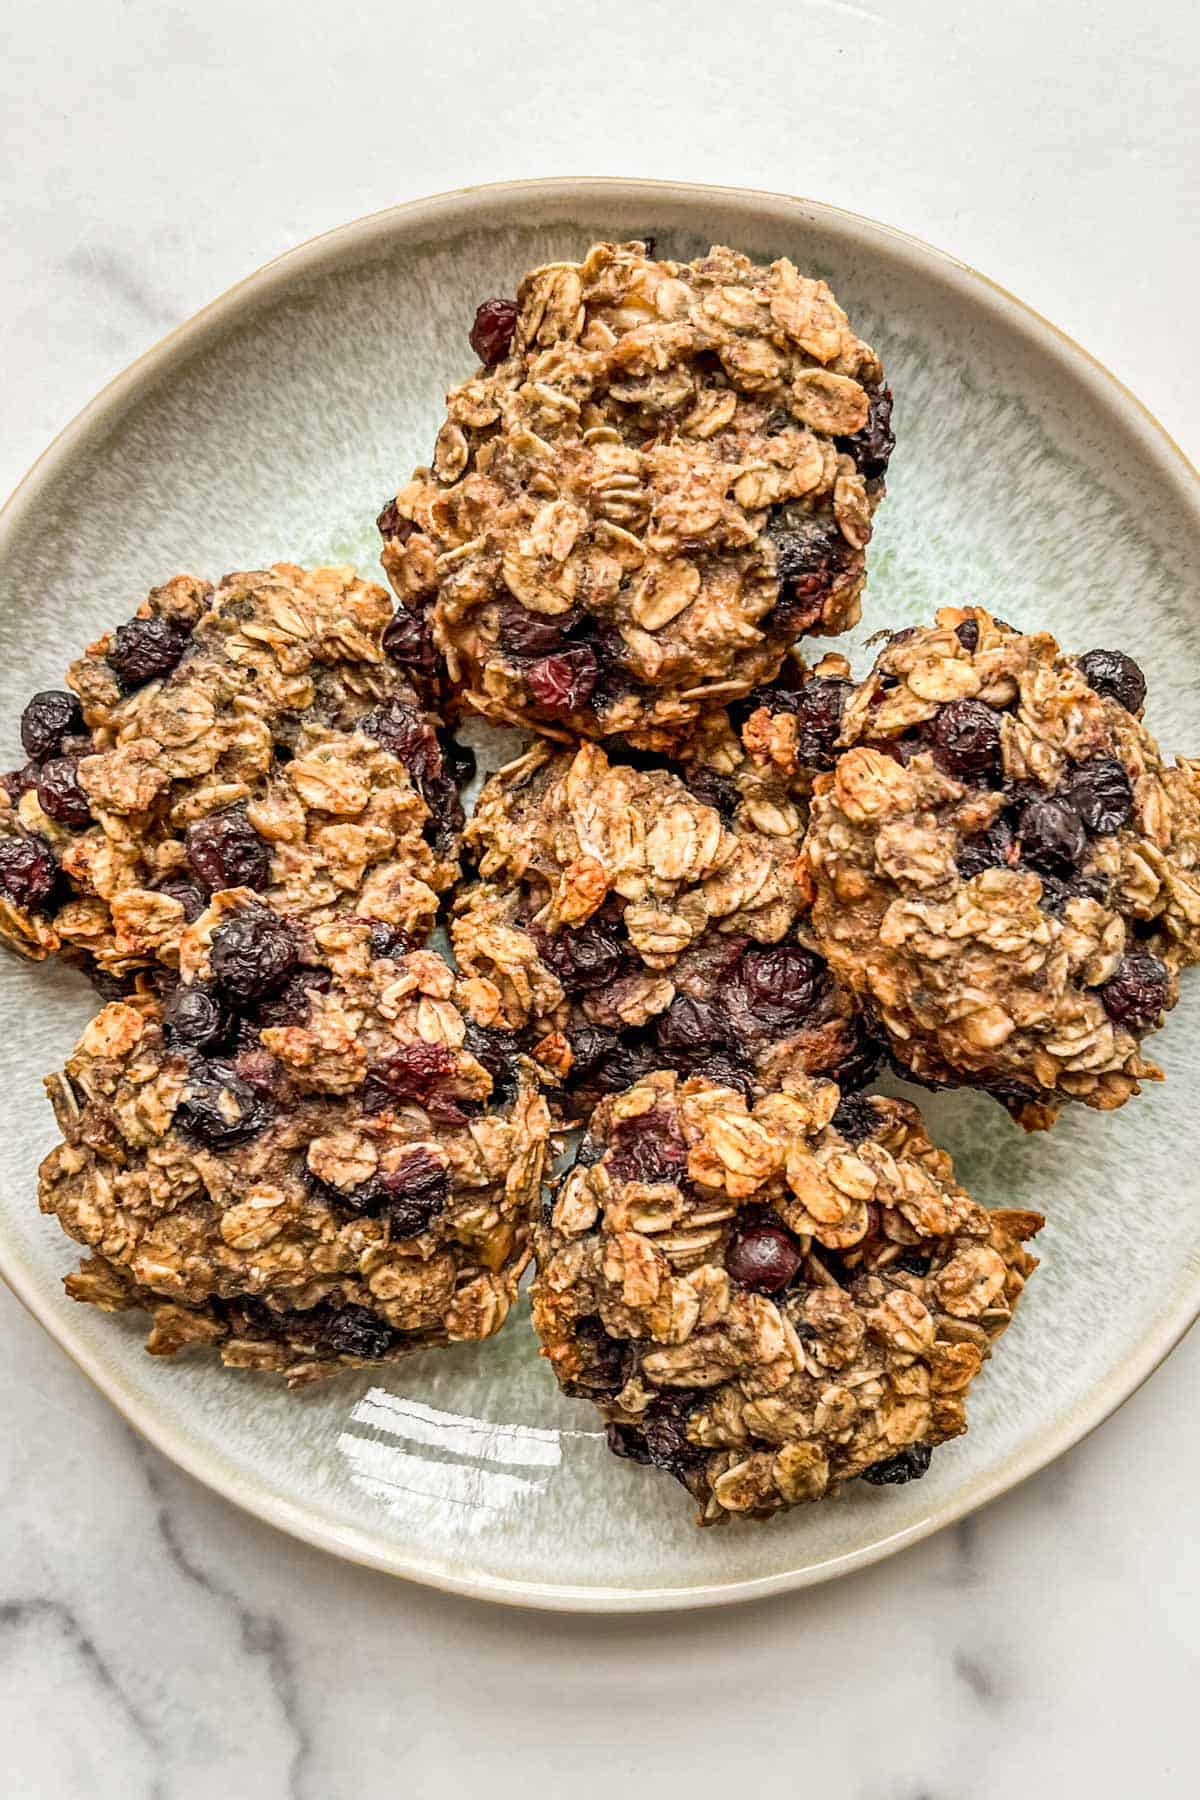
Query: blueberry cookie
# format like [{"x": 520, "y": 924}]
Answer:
[
  {"x": 253, "y": 735},
  {"x": 632, "y": 916},
  {"x": 662, "y": 476},
  {"x": 305, "y": 1156},
  {"x": 766, "y": 1300},
  {"x": 1006, "y": 871}
]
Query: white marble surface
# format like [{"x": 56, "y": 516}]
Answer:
[{"x": 153, "y": 1642}]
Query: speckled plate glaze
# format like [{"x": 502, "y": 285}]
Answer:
[{"x": 274, "y": 425}]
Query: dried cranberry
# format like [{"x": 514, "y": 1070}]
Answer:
[
  {"x": 178, "y": 887},
  {"x": 603, "y": 1063},
  {"x": 407, "y": 642},
  {"x": 1117, "y": 676},
  {"x": 28, "y": 871},
  {"x": 356, "y": 1331},
  {"x": 871, "y": 447},
  {"x": 523, "y": 633},
  {"x": 690, "y": 1024},
  {"x": 252, "y": 955},
  {"x": 60, "y": 796},
  {"x": 217, "y": 1107},
  {"x": 391, "y": 524},
  {"x": 19, "y": 781},
  {"x": 146, "y": 649},
  {"x": 291, "y": 1004},
  {"x": 1052, "y": 836},
  {"x": 194, "y": 1019},
  {"x": 986, "y": 850},
  {"x": 589, "y": 956},
  {"x": 820, "y": 704},
  {"x": 412, "y": 740},
  {"x": 1102, "y": 795},
  {"x": 649, "y": 1149},
  {"x": 967, "y": 736},
  {"x": 809, "y": 556},
  {"x": 968, "y": 635},
  {"x": 415, "y": 1192},
  {"x": 412, "y": 1071},
  {"x": 761, "y": 1255},
  {"x": 907, "y": 1465},
  {"x": 1139, "y": 993},
  {"x": 492, "y": 332},
  {"x": 48, "y": 718},
  {"x": 563, "y": 683},
  {"x": 780, "y": 985},
  {"x": 856, "y": 1118},
  {"x": 225, "y": 851}
]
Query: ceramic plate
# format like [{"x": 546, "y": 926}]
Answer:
[{"x": 274, "y": 425}]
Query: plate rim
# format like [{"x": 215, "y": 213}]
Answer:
[{"x": 258, "y": 1498}]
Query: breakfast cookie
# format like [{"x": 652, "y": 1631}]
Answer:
[
  {"x": 632, "y": 916},
  {"x": 662, "y": 476},
  {"x": 305, "y": 1154},
  {"x": 256, "y": 735},
  {"x": 1007, "y": 872},
  {"x": 766, "y": 1300}
]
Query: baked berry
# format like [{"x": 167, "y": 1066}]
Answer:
[
  {"x": 1102, "y": 795},
  {"x": 690, "y": 1024},
  {"x": 761, "y": 1255},
  {"x": 648, "y": 1149},
  {"x": 606, "y": 1362},
  {"x": 1139, "y": 993},
  {"x": 391, "y": 524},
  {"x": 28, "y": 871},
  {"x": 907, "y": 1465},
  {"x": 225, "y": 851},
  {"x": 563, "y": 683},
  {"x": 60, "y": 796},
  {"x": 809, "y": 556},
  {"x": 194, "y": 1019},
  {"x": 856, "y": 1118},
  {"x": 523, "y": 633},
  {"x": 990, "y": 849},
  {"x": 178, "y": 887},
  {"x": 492, "y": 332},
  {"x": 48, "y": 718},
  {"x": 389, "y": 940},
  {"x": 588, "y": 956},
  {"x": 145, "y": 650},
  {"x": 1117, "y": 676},
  {"x": 780, "y": 985},
  {"x": 603, "y": 1061},
  {"x": 913, "y": 1262},
  {"x": 406, "y": 642},
  {"x": 968, "y": 635},
  {"x": 413, "y": 1071},
  {"x": 1051, "y": 835},
  {"x": 252, "y": 955},
  {"x": 291, "y": 1004},
  {"x": 458, "y": 760},
  {"x": 411, "y": 739},
  {"x": 871, "y": 447},
  {"x": 414, "y": 1192},
  {"x": 217, "y": 1107},
  {"x": 714, "y": 790},
  {"x": 356, "y": 1331},
  {"x": 966, "y": 734},
  {"x": 19, "y": 781}
]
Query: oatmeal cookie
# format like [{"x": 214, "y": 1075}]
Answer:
[
  {"x": 632, "y": 917},
  {"x": 306, "y": 1155},
  {"x": 767, "y": 1300},
  {"x": 662, "y": 476},
  {"x": 1006, "y": 870},
  {"x": 255, "y": 734}
]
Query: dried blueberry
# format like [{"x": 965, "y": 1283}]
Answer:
[
  {"x": 407, "y": 642},
  {"x": 1139, "y": 993},
  {"x": 606, "y": 1362},
  {"x": 356, "y": 1331},
  {"x": 648, "y": 1148},
  {"x": 225, "y": 851},
  {"x": 19, "y": 781},
  {"x": 28, "y": 871},
  {"x": 589, "y": 956},
  {"x": 871, "y": 447},
  {"x": 48, "y": 718},
  {"x": 1112, "y": 673},
  {"x": 291, "y": 1004},
  {"x": 809, "y": 556},
  {"x": 1102, "y": 795},
  {"x": 414, "y": 1192},
  {"x": 690, "y": 1024},
  {"x": 968, "y": 635},
  {"x": 966, "y": 734},
  {"x": 522, "y": 633},
  {"x": 563, "y": 683},
  {"x": 492, "y": 332},
  {"x": 408, "y": 737},
  {"x": 856, "y": 1118},
  {"x": 714, "y": 790},
  {"x": 60, "y": 796},
  {"x": 780, "y": 985},
  {"x": 194, "y": 1019},
  {"x": 146, "y": 649},
  {"x": 819, "y": 720},
  {"x": 413, "y": 1071},
  {"x": 988, "y": 849},
  {"x": 761, "y": 1255},
  {"x": 178, "y": 887},
  {"x": 252, "y": 955},
  {"x": 1051, "y": 835},
  {"x": 217, "y": 1107},
  {"x": 389, "y": 940},
  {"x": 391, "y": 524},
  {"x": 603, "y": 1062},
  {"x": 907, "y": 1465}
]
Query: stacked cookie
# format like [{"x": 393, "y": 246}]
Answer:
[{"x": 714, "y": 896}]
